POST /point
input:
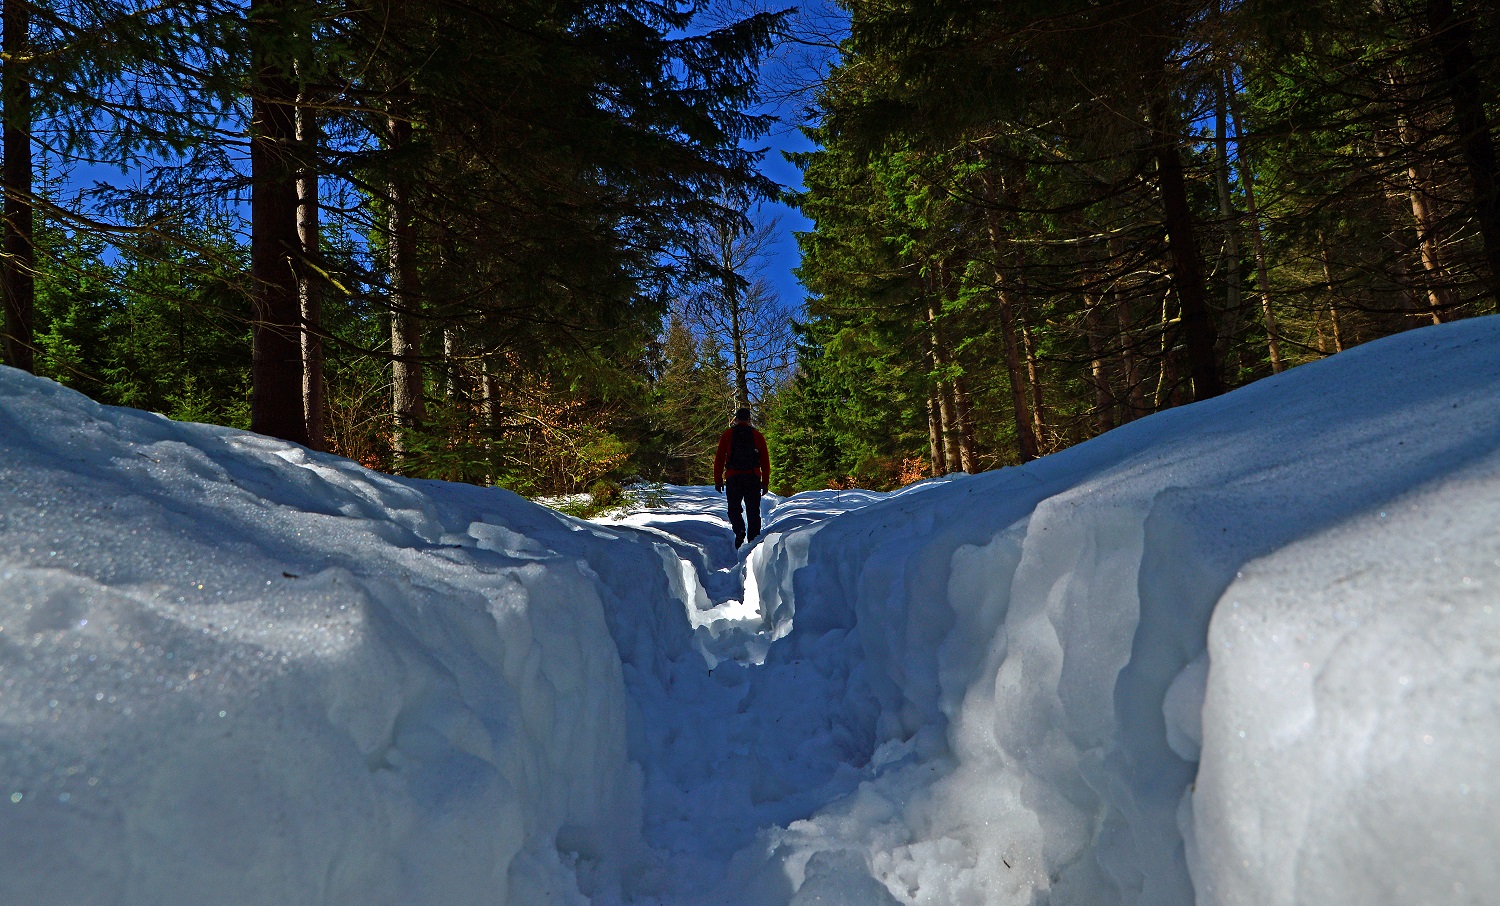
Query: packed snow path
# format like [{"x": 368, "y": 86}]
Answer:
[
  {"x": 769, "y": 733},
  {"x": 1244, "y": 652}
]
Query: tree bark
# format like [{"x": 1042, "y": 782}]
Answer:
[
  {"x": 1033, "y": 376},
  {"x": 741, "y": 368},
  {"x": 309, "y": 281},
  {"x": 276, "y": 407},
  {"x": 17, "y": 286},
  {"x": 1439, "y": 296},
  {"x": 968, "y": 453},
  {"x": 408, "y": 404},
  {"x": 947, "y": 399},
  {"x": 1197, "y": 327},
  {"x": 1103, "y": 401},
  {"x": 1452, "y": 40},
  {"x": 1166, "y": 379},
  {"x": 952, "y": 460},
  {"x": 1026, "y": 442},
  {"x": 1333, "y": 309},
  {"x": 935, "y": 436},
  {"x": 450, "y": 363},
  {"x": 489, "y": 407}
]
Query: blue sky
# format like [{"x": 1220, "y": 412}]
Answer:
[
  {"x": 789, "y": 80},
  {"x": 785, "y": 138}
]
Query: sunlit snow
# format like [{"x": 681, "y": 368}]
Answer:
[{"x": 1243, "y": 652}]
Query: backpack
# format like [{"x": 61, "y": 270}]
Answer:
[{"x": 742, "y": 454}]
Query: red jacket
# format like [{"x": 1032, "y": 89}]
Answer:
[{"x": 723, "y": 455}]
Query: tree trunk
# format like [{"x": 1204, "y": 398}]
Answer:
[
  {"x": 1439, "y": 296},
  {"x": 1026, "y": 446},
  {"x": 967, "y": 455},
  {"x": 1451, "y": 38},
  {"x": 1333, "y": 309},
  {"x": 1033, "y": 377},
  {"x": 935, "y": 436},
  {"x": 18, "y": 264},
  {"x": 959, "y": 454},
  {"x": 408, "y": 404},
  {"x": 741, "y": 368},
  {"x": 948, "y": 414},
  {"x": 1231, "y": 258},
  {"x": 489, "y": 407},
  {"x": 276, "y": 407},
  {"x": 1103, "y": 401},
  {"x": 947, "y": 410},
  {"x": 1262, "y": 278},
  {"x": 967, "y": 452},
  {"x": 1166, "y": 379},
  {"x": 1197, "y": 327},
  {"x": 309, "y": 281}
]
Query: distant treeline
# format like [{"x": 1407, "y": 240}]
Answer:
[
  {"x": 441, "y": 238},
  {"x": 1036, "y": 221}
]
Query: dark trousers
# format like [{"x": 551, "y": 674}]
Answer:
[{"x": 743, "y": 489}]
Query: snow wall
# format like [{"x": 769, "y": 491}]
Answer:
[
  {"x": 1246, "y": 648},
  {"x": 236, "y": 672},
  {"x": 1240, "y": 652}
]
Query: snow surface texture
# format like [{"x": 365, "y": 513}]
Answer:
[{"x": 1243, "y": 652}]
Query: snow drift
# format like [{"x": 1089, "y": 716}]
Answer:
[
  {"x": 232, "y": 671},
  {"x": 1244, "y": 649},
  {"x": 1240, "y": 652}
]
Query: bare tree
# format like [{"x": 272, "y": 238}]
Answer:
[{"x": 740, "y": 308}]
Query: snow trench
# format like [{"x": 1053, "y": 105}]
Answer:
[{"x": 1239, "y": 652}]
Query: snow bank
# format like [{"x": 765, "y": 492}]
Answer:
[
  {"x": 232, "y": 671},
  {"x": 1246, "y": 647},
  {"x": 1244, "y": 652}
]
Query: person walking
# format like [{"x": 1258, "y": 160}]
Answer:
[{"x": 744, "y": 465}]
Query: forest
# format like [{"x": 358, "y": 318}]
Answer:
[{"x": 522, "y": 242}]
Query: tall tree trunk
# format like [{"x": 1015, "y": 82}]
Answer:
[
  {"x": 1033, "y": 376},
  {"x": 1197, "y": 327},
  {"x": 948, "y": 414},
  {"x": 1439, "y": 296},
  {"x": 408, "y": 403},
  {"x": 309, "y": 281},
  {"x": 935, "y": 435},
  {"x": 276, "y": 407},
  {"x": 733, "y": 304},
  {"x": 1232, "y": 302},
  {"x": 1167, "y": 378},
  {"x": 741, "y": 368},
  {"x": 1103, "y": 401},
  {"x": 489, "y": 407},
  {"x": 1451, "y": 38},
  {"x": 450, "y": 363},
  {"x": 1026, "y": 445},
  {"x": 1333, "y": 309},
  {"x": 17, "y": 267},
  {"x": 1257, "y": 240},
  {"x": 947, "y": 399},
  {"x": 968, "y": 454}
]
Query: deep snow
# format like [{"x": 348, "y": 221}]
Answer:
[{"x": 1243, "y": 652}]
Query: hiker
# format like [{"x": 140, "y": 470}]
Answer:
[{"x": 744, "y": 465}]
